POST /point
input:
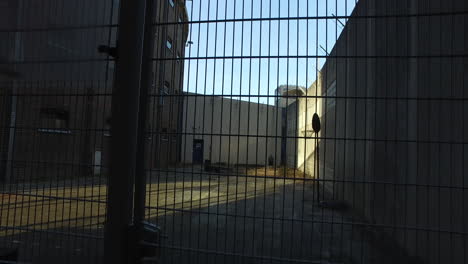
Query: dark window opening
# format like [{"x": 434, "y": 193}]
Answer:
[
  {"x": 167, "y": 87},
  {"x": 164, "y": 91},
  {"x": 164, "y": 136},
  {"x": 107, "y": 128},
  {"x": 54, "y": 120}
]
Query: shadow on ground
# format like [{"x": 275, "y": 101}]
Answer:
[
  {"x": 257, "y": 220},
  {"x": 212, "y": 218}
]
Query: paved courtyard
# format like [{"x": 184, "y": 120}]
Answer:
[{"x": 205, "y": 218}]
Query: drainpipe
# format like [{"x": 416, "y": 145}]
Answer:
[
  {"x": 413, "y": 93},
  {"x": 17, "y": 56}
]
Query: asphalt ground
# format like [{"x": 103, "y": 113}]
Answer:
[{"x": 204, "y": 218}]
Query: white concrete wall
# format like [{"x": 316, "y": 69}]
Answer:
[
  {"x": 306, "y": 141},
  {"x": 234, "y": 132},
  {"x": 393, "y": 143},
  {"x": 301, "y": 141}
]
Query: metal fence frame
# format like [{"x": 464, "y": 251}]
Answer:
[{"x": 333, "y": 177}]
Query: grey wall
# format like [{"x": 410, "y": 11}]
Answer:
[
  {"x": 236, "y": 132},
  {"x": 394, "y": 141},
  {"x": 55, "y": 53}
]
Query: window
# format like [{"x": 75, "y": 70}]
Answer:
[
  {"x": 54, "y": 120},
  {"x": 163, "y": 92},
  {"x": 167, "y": 87},
  {"x": 107, "y": 128},
  {"x": 164, "y": 136},
  {"x": 171, "y": 2},
  {"x": 169, "y": 43}
]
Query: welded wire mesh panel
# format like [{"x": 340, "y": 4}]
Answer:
[
  {"x": 321, "y": 131},
  {"x": 54, "y": 126}
]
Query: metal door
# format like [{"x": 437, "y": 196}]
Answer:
[{"x": 198, "y": 151}]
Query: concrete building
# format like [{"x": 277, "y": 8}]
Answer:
[
  {"x": 393, "y": 124},
  {"x": 286, "y": 94},
  {"x": 230, "y": 131},
  {"x": 301, "y": 144},
  {"x": 166, "y": 102},
  {"x": 286, "y": 100},
  {"x": 52, "y": 122},
  {"x": 58, "y": 114}
]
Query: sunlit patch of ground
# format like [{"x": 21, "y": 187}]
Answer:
[
  {"x": 84, "y": 207},
  {"x": 23, "y": 210},
  {"x": 280, "y": 172}
]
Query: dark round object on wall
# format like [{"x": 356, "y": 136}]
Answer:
[{"x": 316, "y": 123}]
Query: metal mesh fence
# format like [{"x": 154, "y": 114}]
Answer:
[
  {"x": 269, "y": 131},
  {"x": 378, "y": 177}
]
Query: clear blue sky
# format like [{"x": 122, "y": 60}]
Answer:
[{"x": 259, "y": 38}]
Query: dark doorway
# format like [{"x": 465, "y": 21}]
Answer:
[{"x": 197, "y": 151}]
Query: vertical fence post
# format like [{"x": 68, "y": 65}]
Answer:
[
  {"x": 125, "y": 106},
  {"x": 146, "y": 82}
]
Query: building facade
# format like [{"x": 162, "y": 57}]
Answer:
[
  {"x": 166, "y": 100},
  {"x": 393, "y": 113},
  {"x": 230, "y": 131},
  {"x": 56, "y": 122},
  {"x": 287, "y": 94}
]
